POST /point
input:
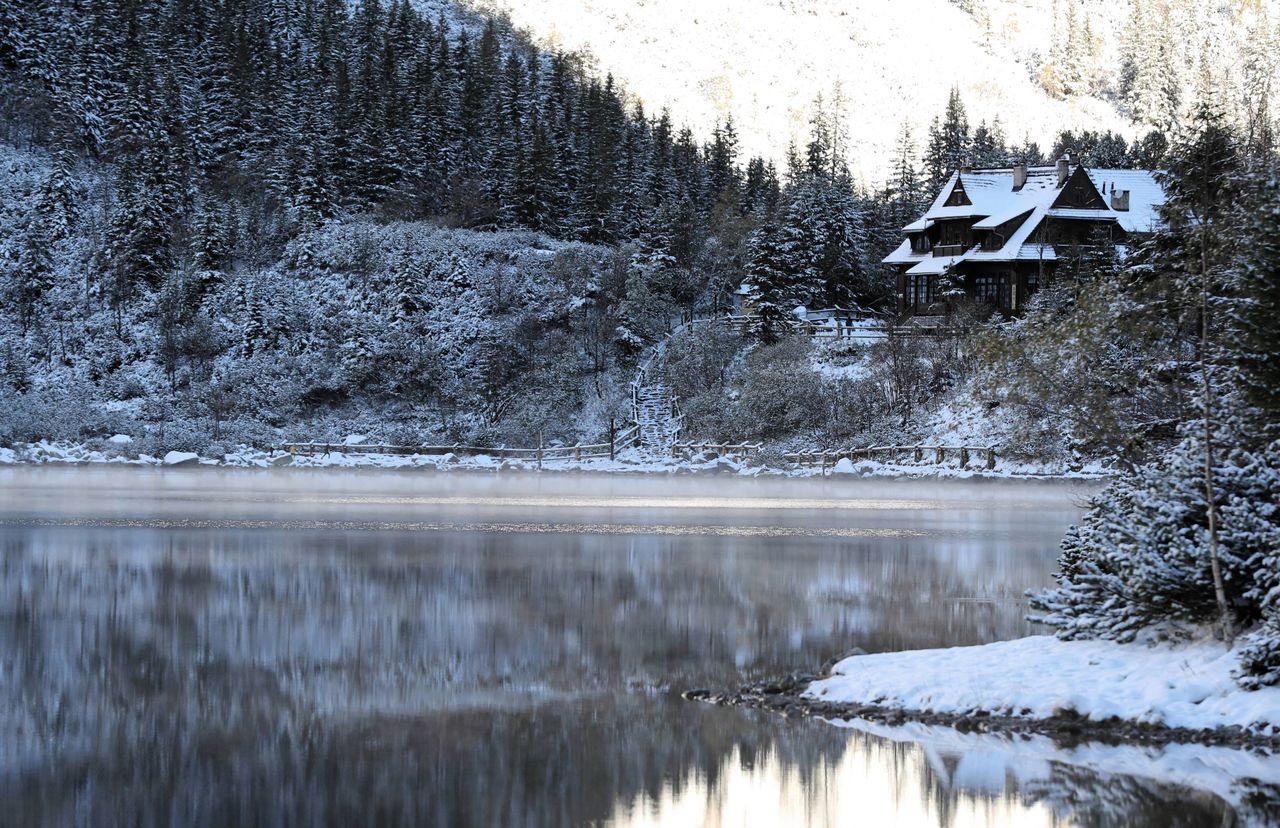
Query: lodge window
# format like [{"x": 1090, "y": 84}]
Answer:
[
  {"x": 993, "y": 290},
  {"x": 920, "y": 243},
  {"x": 953, "y": 232},
  {"x": 920, "y": 291},
  {"x": 986, "y": 290}
]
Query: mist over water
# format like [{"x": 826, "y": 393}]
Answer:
[{"x": 245, "y": 648}]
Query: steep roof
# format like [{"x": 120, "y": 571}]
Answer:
[
  {"x": 1145, "y": 196},
  {"x": 992, "y": 193},
  {"x": 994, "y": 202}
]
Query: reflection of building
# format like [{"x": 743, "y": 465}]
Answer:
[{"x": 994, "y": 234}]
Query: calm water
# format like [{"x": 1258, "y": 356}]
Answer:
[{"x": 200, "y": 647}]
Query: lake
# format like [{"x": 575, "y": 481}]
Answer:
[{"x": 199, "y": 646}]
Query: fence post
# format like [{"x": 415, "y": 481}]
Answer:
[
  {"x": 919, "y": 454},
  {"x": 539, "y": 449},
  {"x": 991, "y": 458},
  {"x": 964, "y": 457},
  {"x": 940, "y": 454},
  {"x": 613, "y": 434}
]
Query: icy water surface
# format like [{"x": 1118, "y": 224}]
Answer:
[{"x": 235, "y": 648}]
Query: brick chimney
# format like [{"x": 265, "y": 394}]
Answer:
[
  {"x": 1064, "y": 169},
  {"x": 1019, "y": 175},
  {"x": 1120, "y": 201}
]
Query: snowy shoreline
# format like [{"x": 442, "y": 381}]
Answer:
[
  {"x": 628, "y": 462},
  {"x": 1186, "y": 685},
  {"x": 1155, "y": 692}
]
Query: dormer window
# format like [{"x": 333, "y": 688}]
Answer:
[{"x": 958, "y": 197}]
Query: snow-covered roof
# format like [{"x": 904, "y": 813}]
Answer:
[
  {"x": 1009, "y": 251},
  {"x": 1037, "y": 252},
  {"x": 992, "y": 193},
  {"x": 904, "y": 254},
  {"x": 996, "y": 202},
  {"x": 992, "y": 222},
  {"x": 934, "y": 265},
  {"x": 1145, "y": 196},
  {"x": 1081, "y": 213}
]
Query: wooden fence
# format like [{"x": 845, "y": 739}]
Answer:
[
  {"x": 906, "y": 455},
  {"x": 688, "y": 450},
  {"x": 620, "y": 439},
  {"x": 834, "y": 328}
]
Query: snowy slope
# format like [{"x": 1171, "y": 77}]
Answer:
[{"x": 762, "y": 61}]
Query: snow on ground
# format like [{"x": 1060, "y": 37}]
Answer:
[
  {"x": 1184, "y": 685},
  {"x": 629, "y": 460},
  {"x": 854, "y": 368}
]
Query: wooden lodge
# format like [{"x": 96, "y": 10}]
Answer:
[{"x": 994, "y": 236}]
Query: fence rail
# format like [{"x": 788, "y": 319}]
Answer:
[
  {"x": 931, "y": 455},
  {"x": 590, "y": 451},
  {"x": 835, "y": 328},
  {"x": 687, "y": 450}
]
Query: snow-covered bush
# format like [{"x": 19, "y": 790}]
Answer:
[{"x": 781, "y": 393}]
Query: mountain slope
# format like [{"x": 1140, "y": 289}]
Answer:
[{"x": 762, "y": 61}]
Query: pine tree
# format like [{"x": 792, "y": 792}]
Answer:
[
  {"x": 950, "y": 146},
  {"x": 905, "y": 180},
  {"x": 1149, "y": 75},
  {"x": 722, "y": 158},
  {"x": 935, "y": 158},
  {"x": 768, "y": 284},
  {"x": 1254, "y": 314},
  {"x": 760, "y": 189},
  {"x": 33, "y": 276}
]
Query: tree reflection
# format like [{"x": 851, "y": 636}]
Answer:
[{"x": 257, "y": 677}]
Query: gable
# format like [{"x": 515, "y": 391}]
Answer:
[
  {"x": 1079, "y": 193},
  {"x": 957, "y": 197}
]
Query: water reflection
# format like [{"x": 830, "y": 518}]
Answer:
[
  {"x": 172, "y": 658},
  {"x": 983, "y": 780}
]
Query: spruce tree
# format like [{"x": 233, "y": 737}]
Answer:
[
  {"x": 1254, "y": 313},
  {"x": 769, "y": 285}
]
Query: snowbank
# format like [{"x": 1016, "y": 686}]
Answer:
[
  {"x": 1181, "y": 686},
  {"x": 117, "y": 451}
]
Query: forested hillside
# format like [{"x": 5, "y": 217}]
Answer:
[
  {"x": 223, "y": 221},
  {"x": 204, "y": 227}
]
